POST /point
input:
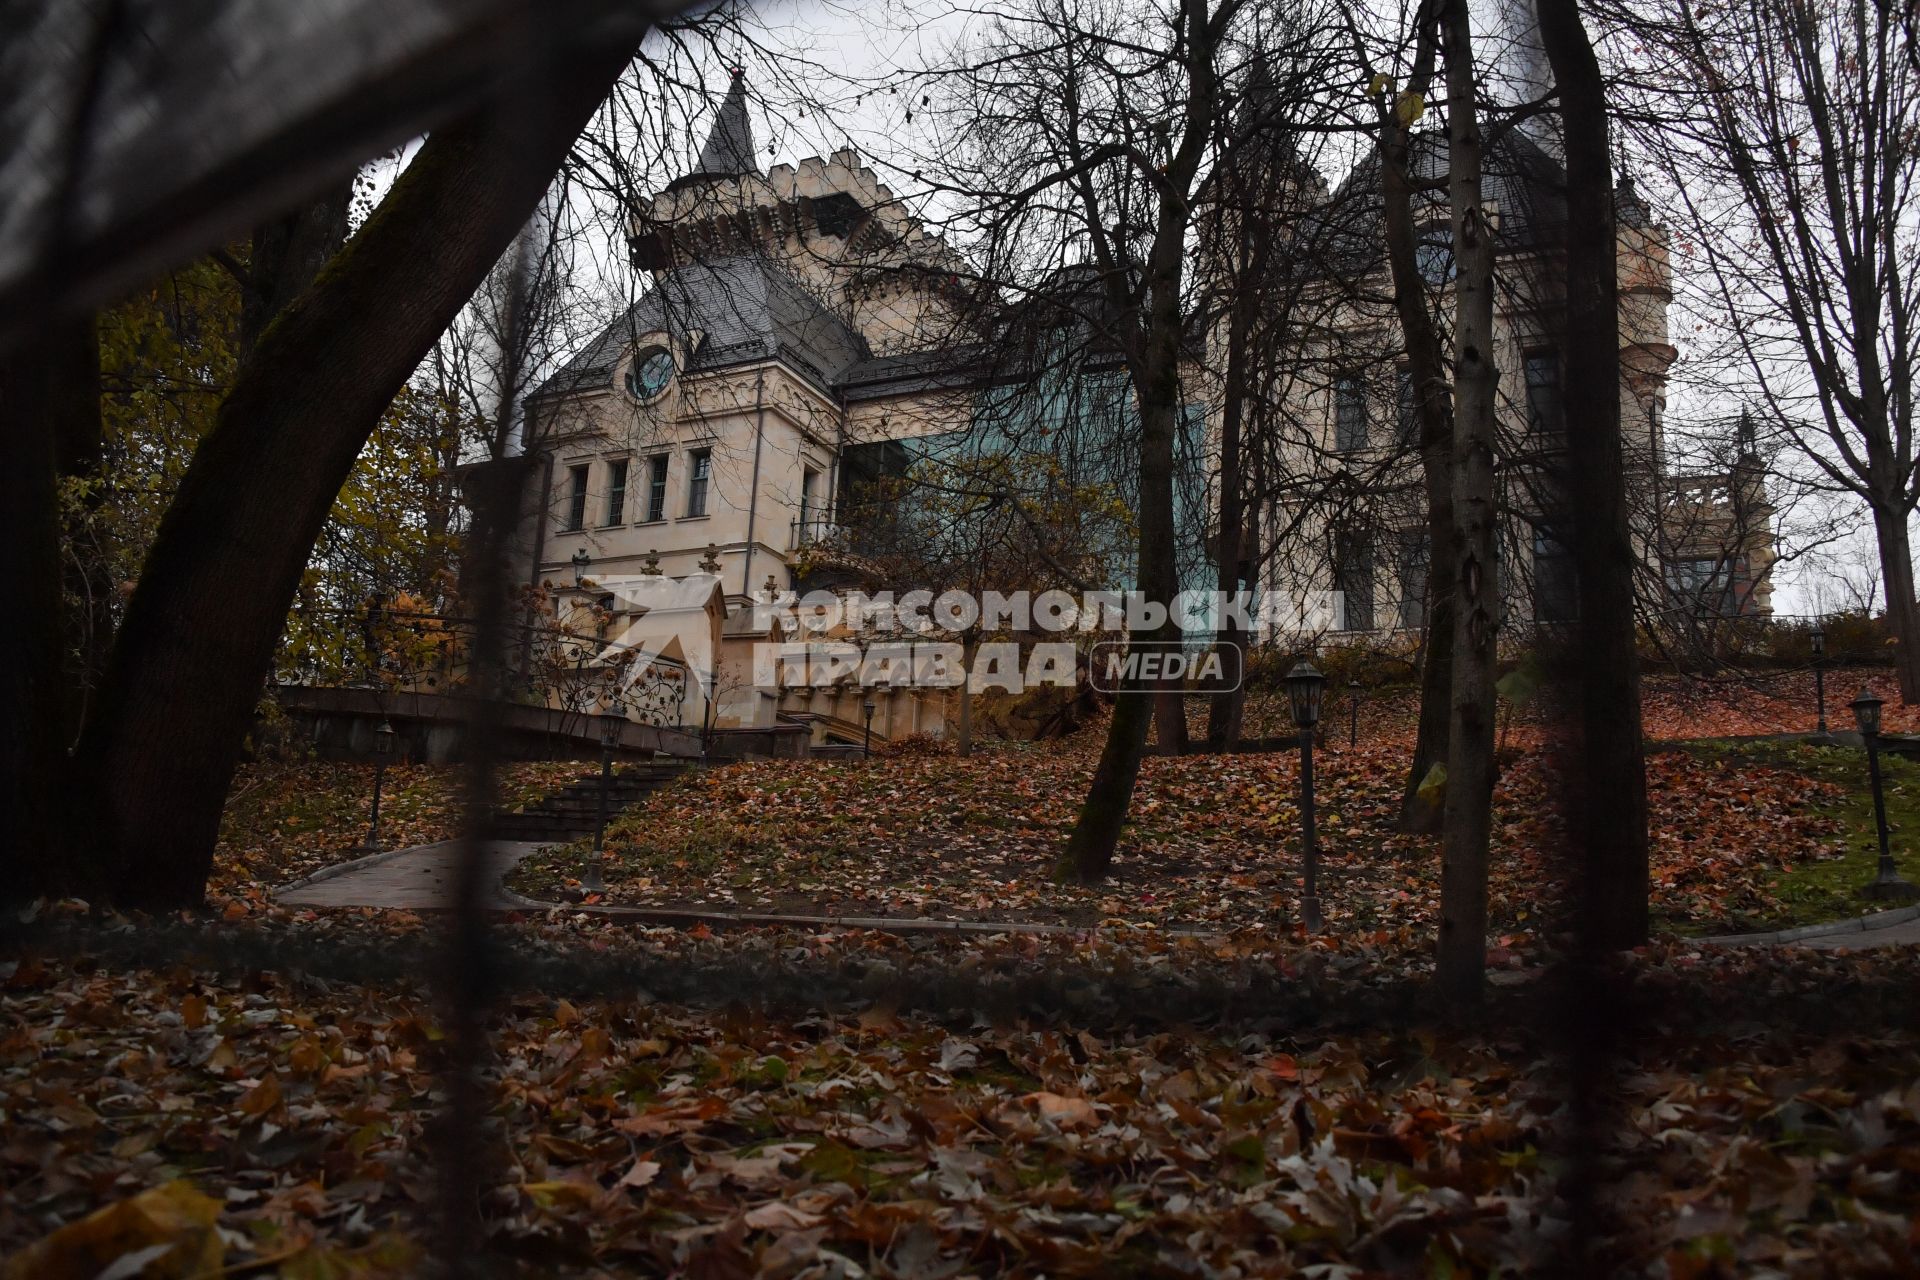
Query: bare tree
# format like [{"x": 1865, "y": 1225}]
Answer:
[
  {"x": 1430, "y": 384},
  {"x": 1267, "y": 292},
  {"x": 1087, "y": 129},
  {"x": 1462, "y": 953},
  {"x": 1790, "y": 132}
]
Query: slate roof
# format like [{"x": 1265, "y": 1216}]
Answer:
[
  {"x": 728, "y": 152},
  {"x": 906, "y": 373},
  {"x": 1527, "y": 185},
  {"x": 749, "y": 310}
]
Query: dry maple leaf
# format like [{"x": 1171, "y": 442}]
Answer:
[{"x": 1062, "y": 1111}]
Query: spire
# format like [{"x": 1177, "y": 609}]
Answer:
[
  {"x": 1519, "y": 72},
  {"x": 1257, "y": 101},
  {"x": 1628, "y": 207},
  {"x": 729, "y": 149}
]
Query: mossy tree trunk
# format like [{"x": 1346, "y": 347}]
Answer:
[
  {"x": 1153, "y": 361},
  {"x": 196, "y": 646}
]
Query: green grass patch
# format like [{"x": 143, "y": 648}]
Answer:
[{"x": 1818, "y": 891}]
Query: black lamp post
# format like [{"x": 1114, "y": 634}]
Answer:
[
  {"x": 382, "y": 748},
  {"x": 1817, "y": 642},
  {"x": 580, "y": 562},
  {"x": 866, "y": 749},
  {"x": 1888, "y": 882},
  {"x": 1305, "y": 685},
  {"x": 1353, "y": 713}
]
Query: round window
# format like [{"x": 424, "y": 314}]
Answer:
[
  {"x": 1434, "y": 253},
  {"x": 650, "y": 372}
]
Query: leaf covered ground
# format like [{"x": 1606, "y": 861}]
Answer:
[
  {"x": 256, "y": 1092},
  {"x": 285, "y": 820},
  {"x": 1034, "y": 1108},
  {"x": 1214, "y": 841}
]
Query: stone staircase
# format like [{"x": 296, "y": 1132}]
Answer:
[{"x": 572, "y": 812}]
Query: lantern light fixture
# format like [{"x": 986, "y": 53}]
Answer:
[
  {"x": 1305, "y": 685},
  {"x": 1866, "y": 713}
]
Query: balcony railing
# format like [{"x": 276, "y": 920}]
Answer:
[{"x": 811, "y": 530}]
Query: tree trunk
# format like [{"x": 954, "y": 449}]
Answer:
[
  {"x": 1155, "y": 367},
  {"x": 1224, "y": 708},
  {"x": 197, "y": 643},
  {"x": 1903, "y": 615},
  {"x": 288, "y": 253},
  {"x": 964, "y": 740},
  {"x": 1467, "y": 821},
  {"x": 33, "y": 748},
  {"x": 1170, "y": 720},
  {"x": 1096, "y": 833},
  {"x": 1604, "y": 765},
  {"x": 1426, "y": 369},
  {"x": 1422, "y": 814}
]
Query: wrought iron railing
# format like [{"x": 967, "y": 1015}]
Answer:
[
  {"x": 813, "y": 530},
  {"x": 575, "y": 670}
]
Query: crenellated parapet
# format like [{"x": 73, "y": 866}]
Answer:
[{"x": 832, "y": 224}]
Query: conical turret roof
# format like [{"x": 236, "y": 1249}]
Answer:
[{"x": 728, "y": 152}]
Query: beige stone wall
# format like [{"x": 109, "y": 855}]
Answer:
[
  {"x": 908, "y": 417},
  {"x": 762, "y": 430}
]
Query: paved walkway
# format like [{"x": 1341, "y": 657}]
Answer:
[
  {"x": 416, "y": 879},
  {"x": 1899, "y": 927},
  {"x": 1899, "y": 935}
]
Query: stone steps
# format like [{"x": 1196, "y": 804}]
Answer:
[{"x": 573, "y": 811}]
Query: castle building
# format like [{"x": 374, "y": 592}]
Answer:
[
  {"x": 790, "y": 332},
  {"x": 801, "y": 332}
]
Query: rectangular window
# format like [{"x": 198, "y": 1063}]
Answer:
[
  {"x": 1708, "y": 588},
  {"x": 1413, "y": 579},
  {"x": 809, "y": 481},
  {"x": 577, "y": 496},
  {"x": 1408, "y": 420},
  {"x": 617, "y": 492},
  {"x": 657, "y": 487},
  {"x": 1555, "y": 596},
  {"x": 700, "y": 473},
  {"x": 1546, "y": 415},
  {"x": 1349, "y": 414},
  {"x": 1353, "y": 579}
]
